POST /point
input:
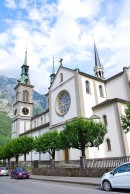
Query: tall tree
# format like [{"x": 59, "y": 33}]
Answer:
[
  {"x": 15, "y": 148},
  {"x": 126, "y": 119},
  {"x": 26, "y": 144},
  {"x": 7, "y": 152},
  {"x": 48, "y": 142},
  {"x": 81, "y": 133}
]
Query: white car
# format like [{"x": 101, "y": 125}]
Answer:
[
  {"x": 117, "y": 178},
  {"x": 4, "y": 171}
]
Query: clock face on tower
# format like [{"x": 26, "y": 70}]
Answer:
[
  {"x": 25, "y": 111},
  {"x": 63, "y": 103}
]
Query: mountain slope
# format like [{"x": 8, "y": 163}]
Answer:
[
  {"x": 5, "y": 128},
  {"x": 7, "y": 97}
]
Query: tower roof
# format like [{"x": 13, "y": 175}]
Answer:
[
  {"x": 97, "y": 60},
  {"x": 24, "y": 79},
  {"x": 53, "y": 68},
  {"x": 98, "y": 69},
  {"x": 25, "y": 58}
]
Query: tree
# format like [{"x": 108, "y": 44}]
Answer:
[
  {"x": 48, "y": 142},
  {"x": 7, "y": 152},
  {"x": 15, "y": 148},
  {"x": 126, "y": 119},
  {"x": 81, "y": 133},
  {"x": 21, "y": 146},
  {"x": 26, "y": 144}
]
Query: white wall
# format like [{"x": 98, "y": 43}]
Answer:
[
  {"x": 70, "y": 87},
  {"x": 21, "y": 130},
  {"x": 116, "y": 88},
  {"x": 113, "y": 132},
  {"x": 67, "y": 74},
  {"x": 92, "y": 98}
]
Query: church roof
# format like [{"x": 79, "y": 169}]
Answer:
[
  {"x": 113, "y": 77},
  {"x": 92, "y": 77},
  {"x": 108, "y": 102},
  {"x": 35, "y": 129},
  {"x": 38, "y": 115}
]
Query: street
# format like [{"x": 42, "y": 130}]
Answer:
[{"x": 30, "y": 186}]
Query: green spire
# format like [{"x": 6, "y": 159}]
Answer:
[
  {"x": 53, "y": 68},
  {"x": 25, "y": 59},
  {"x": 25, "y": 72}
]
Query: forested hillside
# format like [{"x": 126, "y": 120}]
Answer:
[{"x": 5, "y": 128}]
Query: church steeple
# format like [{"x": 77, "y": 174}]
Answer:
[
  {"x": 98, "y": 69},
  {"x": 25, "y": 72},
  {"x": 52, "y": 76}
]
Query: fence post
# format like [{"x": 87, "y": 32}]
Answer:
[{"x": 82, "y": 161}]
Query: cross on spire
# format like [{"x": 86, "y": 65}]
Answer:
[{"x": 60, "y": 61}]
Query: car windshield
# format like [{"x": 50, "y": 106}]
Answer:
[
  {"x": 21, "y": 169},
  {"x": 3, "y": 168}
]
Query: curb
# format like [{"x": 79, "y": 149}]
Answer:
[{"x": 64, "y": 181}]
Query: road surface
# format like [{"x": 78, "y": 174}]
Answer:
[{"x": 30, "y": 186}]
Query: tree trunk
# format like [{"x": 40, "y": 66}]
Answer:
[
  {"x": 8, "y": 161},
  {"x": 25, "y": 157},
  {"x": 83, "y": 151},
  {"x": 53, "y": 155},
  {"x": 17, "y": 160}
]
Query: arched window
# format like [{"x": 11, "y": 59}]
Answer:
[
  {"x": 34, "y": 123},
  {"x": 24, "y": 125},
  {"x": 108, "y": 144},
  {"x": 87, "y": 84},
  {"x": 25, "y": 96},
  {"x": 16, "y": 96},
  {"x": 101, "y": 91},
  {"x": 61, "y": 77},
  {"x": 41, "y": 120},
  {"x": 105, "y": 119}
]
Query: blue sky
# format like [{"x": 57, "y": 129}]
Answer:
[{"x": 64, "y": 29}]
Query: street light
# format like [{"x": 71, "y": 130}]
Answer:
[{"x": 95, "y": 118}]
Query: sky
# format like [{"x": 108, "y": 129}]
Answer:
[{"x": 64, "y": 29}]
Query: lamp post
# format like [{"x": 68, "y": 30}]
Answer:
[{"x": 95, "y": 118}]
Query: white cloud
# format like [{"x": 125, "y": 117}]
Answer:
[
  {"x": 79, "y": 8},
  {"x": 10, "y": 4},
  {"x": 64, "y": 30}
]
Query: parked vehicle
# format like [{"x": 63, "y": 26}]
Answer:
[
  {"x": 19, "y": 173},
  {"x": 117, "y": 178},
  {"x": 4, "y": 171}
]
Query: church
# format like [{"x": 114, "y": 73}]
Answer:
[{"x": 71, "y": 94}]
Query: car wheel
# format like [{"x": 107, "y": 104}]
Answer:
[{"x": 106, "y": 185}]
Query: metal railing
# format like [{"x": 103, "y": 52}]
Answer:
[
  {"x": 106, "y": 162},
  {"x": 89, "y": 163}
]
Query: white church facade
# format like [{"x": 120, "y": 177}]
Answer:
[{"x": 73, "y": 94}]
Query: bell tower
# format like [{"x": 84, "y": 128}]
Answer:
[{"x": 23, "y": 105}]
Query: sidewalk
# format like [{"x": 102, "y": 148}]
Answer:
[{"x": 74, "y": 180}]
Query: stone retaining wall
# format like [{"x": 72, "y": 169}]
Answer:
[{"x": 71, "y": 172}]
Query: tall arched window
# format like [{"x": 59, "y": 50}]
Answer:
[
  {"x": 105, "y": 119},
  {"x": 101, "y": 91},
  {"x": 87, "y": 85},
  {"x": 41, "y": 120},
  {"x": 16, "y": 96},
  {"x": 25, "y": 96},
  {"x": 108, "y": 144},
  {"x": 61, "y": 77}
]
